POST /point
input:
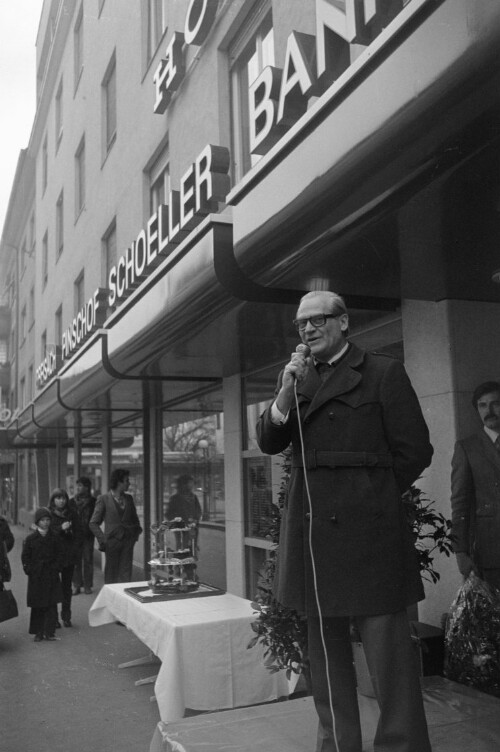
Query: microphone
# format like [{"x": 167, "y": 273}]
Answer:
[{"x": 305, "y": 351}]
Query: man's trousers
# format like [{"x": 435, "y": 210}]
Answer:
[{"x": 393, "y": 665}]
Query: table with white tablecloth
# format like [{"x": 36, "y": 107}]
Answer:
[{"x": 202, "y": 644}]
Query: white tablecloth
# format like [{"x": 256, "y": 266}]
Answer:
[{"x": 202, "y": 646}]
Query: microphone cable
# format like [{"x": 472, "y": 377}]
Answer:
[{"x": 313, "y": 563}]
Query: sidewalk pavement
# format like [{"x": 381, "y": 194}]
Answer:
[{"x": 70, "y": 694}]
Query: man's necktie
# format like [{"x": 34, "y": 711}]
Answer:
[{"x": 324, "y": 369}]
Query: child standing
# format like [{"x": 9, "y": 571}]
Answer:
[{"x": 41, "y": 562}]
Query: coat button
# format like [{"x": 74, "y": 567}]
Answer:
[
  {"x": 333, "y": 519},
  {"x": 331, "y": 415},
  {"x": 308, "y": 515}
]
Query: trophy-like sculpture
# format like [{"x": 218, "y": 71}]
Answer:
[{"x": 173, "y": 568}]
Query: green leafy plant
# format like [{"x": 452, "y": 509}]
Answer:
[
  {"x": 431, "y": 529},
  {"x": 283, "y": 631}
]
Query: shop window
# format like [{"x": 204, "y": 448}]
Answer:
[
  {"x": 60, "y": 224},
  {"x": 193, "y": 444},
  {"x": 251, "y": 51},
  {"x": 260, "y": 472},
  {"x": 156, "y": 23},
  {"x": 109, "y": 106},
  {"x": 80, "y": 178},
  {"x": 78, "y": 47},
  {"x": 255, "y": 558},
  {"x": 59, "y": 113},
  {"x": 258, "y": 496}
]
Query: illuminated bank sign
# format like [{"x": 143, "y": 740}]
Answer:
[{"x": 278, "y": 97}]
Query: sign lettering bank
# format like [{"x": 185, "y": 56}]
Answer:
[{"x": 277, "y": 99}]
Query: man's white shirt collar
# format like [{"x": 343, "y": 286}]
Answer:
[{"x": 492, "y": 434}]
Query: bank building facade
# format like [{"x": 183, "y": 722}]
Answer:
[{"x": 193, "y": 168}]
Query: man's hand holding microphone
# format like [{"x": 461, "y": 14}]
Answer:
[{"x": 295, "y": 371}]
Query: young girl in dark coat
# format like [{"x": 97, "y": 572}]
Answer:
[
  {"x": 41, "y": 561},
  {"x": 66, "y": 526}
]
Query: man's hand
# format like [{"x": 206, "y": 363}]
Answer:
[
  {"x": 102, "y": 547},
  {"x": 295, "y": 370},
  {"x": 464, "y": 563}
]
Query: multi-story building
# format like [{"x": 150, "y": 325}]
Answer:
[{"x": 193, "y": 168}]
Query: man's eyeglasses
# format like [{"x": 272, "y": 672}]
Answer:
[{"x": 316, "y": 321}]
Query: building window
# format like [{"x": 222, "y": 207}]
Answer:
[
  {"x": 32, "y": 307},
  {"x": 80, "y": 178},
  {"x": 108, "y": 252},
  {"x": 45, "y": 164},
  {"x": 159, "y": 181},
  {"x": 22, "y": 333},
  {"x": 58, "y": 328},
  {"x": 3, "y": 352},
  {"x": 109, "y": 106},
  {"x": 32, "y": 236},
  {"x": 78, "y": 47},
  {"x": 31, "y": 384},
  {"x": 249, "y": 54},
  {"x": 59, "y": 113},
  {"x": 156, "y": 25},
  {"x": 22, "y": 392},
  {"x": 60, "y": 224},
  {"x": 45, "y": 258},
  {"x": 23, "y": 255},
  {"x": 79, "y": 292},
  {"x": 43, "y": 345}
]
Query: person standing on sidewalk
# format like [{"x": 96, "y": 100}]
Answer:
[
  {"x": 84, "y": 503},
  {"x": 41, "y": 560},
  {"x": 6, "y": 545},
  {"x": 66, "y": 526},
  {"x": 121, "y": 528}
]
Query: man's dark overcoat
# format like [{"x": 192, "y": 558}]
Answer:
[
  {"x": 41, "y": 560},
  {"x": 475, "y": 499},
  {"x": 366, "y": 442}
]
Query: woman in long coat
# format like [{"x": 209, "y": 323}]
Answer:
[
  {"x": 66, "y": 526},
  {"x": 40, "y": 558}
]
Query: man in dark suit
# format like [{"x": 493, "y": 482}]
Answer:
[
  {"x": 475, "y": 490},
  {"x": 121, "y": 528},
  {"x": 346, "y": 551}
]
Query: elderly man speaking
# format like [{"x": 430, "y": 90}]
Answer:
[{"x": 359, "y": 440}]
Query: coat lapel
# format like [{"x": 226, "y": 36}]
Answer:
[
  {"x": 342, "y": 379},
  {"x": 488, "y": 449}
]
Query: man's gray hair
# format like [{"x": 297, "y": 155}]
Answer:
[{"x": 336, "y": 301}]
